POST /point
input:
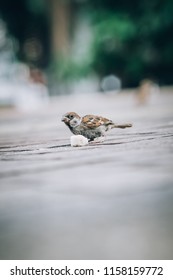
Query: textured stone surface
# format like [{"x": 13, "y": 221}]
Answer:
[{"x": 102, "y": 201}]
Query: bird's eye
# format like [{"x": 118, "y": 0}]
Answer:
[{"x": 71, "y": 116}]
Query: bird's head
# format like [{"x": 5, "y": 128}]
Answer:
[{"x": 71, "y": 119}]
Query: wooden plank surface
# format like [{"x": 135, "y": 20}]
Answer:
[{"x": 103, "y": 201}]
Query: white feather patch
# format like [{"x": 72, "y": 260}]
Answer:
[{"x": 78, "y": 141}]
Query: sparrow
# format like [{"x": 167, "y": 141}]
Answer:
[{"x": 90, "y": 126}]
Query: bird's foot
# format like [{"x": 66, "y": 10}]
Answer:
[{"x": 97, "y": 140}]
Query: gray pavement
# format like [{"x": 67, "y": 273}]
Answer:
[{"x": 103, "y": 201}]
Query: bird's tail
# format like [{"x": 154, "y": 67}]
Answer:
[{"x": 122, "y": 125}]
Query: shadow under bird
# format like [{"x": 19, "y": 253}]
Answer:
[{"x": 90, "y": 126}]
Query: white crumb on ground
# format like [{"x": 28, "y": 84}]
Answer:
[{"x": 78, "y": 141}]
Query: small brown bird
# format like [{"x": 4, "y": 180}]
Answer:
[{"x": 90, "y": 126}]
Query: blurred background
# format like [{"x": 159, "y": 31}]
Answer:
[{"x": 63, "y": 46}]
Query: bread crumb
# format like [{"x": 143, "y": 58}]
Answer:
[{"x": 78, "y": 141}]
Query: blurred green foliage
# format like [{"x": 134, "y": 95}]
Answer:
[
  {"x": 131, "y": 39},
  {"x": 27, "y": 20}
]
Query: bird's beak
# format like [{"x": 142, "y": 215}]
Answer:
[{"x": 64, "y": 119}]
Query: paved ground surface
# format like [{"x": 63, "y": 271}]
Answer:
[{"x": 106, "y": 201}]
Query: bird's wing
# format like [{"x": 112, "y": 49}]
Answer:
[{"x": 92, "y": 121}]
